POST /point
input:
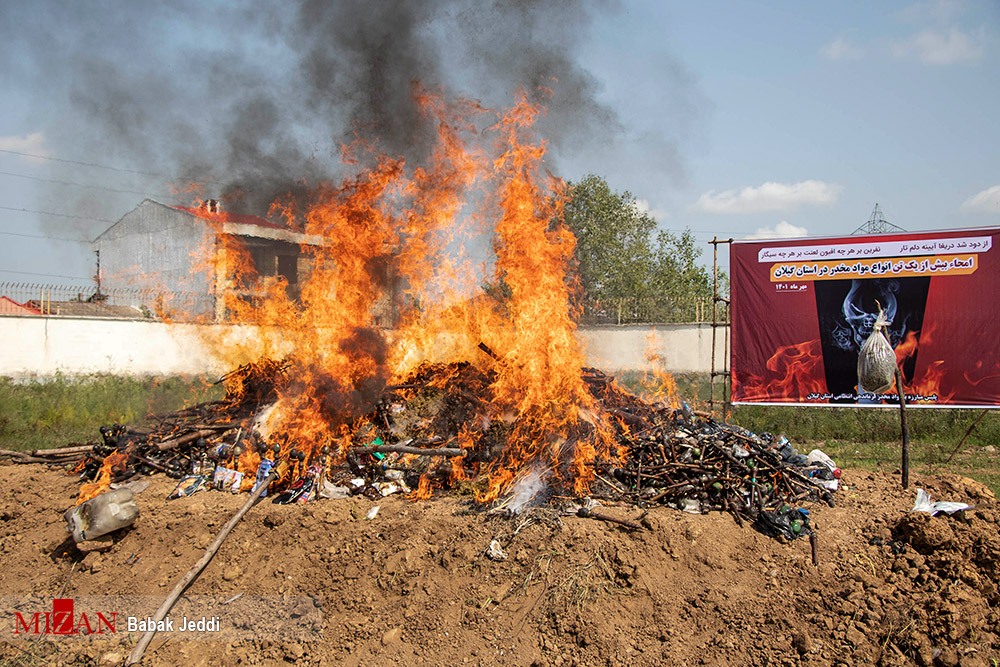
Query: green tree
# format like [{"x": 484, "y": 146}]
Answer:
[{"x": 629, "y": 271}]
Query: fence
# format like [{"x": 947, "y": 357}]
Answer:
[
  {"x": 126, "y": 303},
  {"x": 87, "y": 300},
  {"x": 650, "y": 310}
]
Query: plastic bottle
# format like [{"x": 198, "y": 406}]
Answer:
[{"x": 104, "y": 514}]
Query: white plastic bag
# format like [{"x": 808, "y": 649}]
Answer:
[{"x": 924, "y": 504}]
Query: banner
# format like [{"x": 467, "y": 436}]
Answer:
[{"x": 802, "y": 308}]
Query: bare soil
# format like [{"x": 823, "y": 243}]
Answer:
[{"x": 414, "y": 584}]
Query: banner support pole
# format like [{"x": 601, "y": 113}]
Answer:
[{"x": 904, "y": 429}]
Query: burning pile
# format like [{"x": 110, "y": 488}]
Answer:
[{"x": 441, "y": 429}]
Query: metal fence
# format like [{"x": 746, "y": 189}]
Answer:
[
  {"x": 87, "y": 300},
  {"x": 650, "y": 311}
]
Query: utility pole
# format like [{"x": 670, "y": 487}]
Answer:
[{"x": 97, "y": 276}]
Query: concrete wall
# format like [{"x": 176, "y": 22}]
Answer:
[
  {"x": 677, "y": 348},
  {"x": 44, "y": 346}
]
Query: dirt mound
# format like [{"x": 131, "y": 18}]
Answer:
[{"x": 418, "y": 584}]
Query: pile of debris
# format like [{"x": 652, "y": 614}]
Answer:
[{"x": 672, "y": 456}]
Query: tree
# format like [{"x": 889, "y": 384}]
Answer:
[{"x": 628, "y": 271}]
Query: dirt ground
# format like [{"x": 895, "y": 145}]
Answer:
[{"x": 323, "y": 584}]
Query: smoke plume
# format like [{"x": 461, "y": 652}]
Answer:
[{"x": 251, "y": 101}]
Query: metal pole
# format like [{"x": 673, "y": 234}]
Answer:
[
  {"x": 905, "y": 464},
  {"x": 715, "y": 315}
]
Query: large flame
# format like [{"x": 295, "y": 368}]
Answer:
[{"x": 393, "y": 247}]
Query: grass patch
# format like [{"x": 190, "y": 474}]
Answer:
[{"x": 54, "y": 412}]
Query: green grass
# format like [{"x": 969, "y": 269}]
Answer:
[{"x": 56, "y": 412}]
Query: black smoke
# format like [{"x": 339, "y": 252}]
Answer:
[{"x": 253, "y": 100}]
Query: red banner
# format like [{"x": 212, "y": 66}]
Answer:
[{"x": 802, "y": 308}]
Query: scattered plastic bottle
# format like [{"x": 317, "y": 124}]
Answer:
[
  {"x": 108, "y": 512},
  {"x": 263, "y": 470}
]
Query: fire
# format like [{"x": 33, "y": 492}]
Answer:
[
  {"x": 424, "y": 489},
  {"x": 102, "y": 482},
  {"x": 665, "y": 386},
  {"x": 394, "y": 241}
]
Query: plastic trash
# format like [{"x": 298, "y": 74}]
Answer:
[
  {"x": 332, "y": 491},
  {"x": 819, "y": 457},
  {"x": 227, "y": 479},
  {"x": 300, "y": 488},
  {"x": 826, "y": 472},
  {"x": 788, "y": 522},
  {"x": 263, "y": 470},
  {"x": 188, "y": 486},
  {"x": 495, "y": 551},
  {"x": 690, "y": 505},
  {"x": 389, "y": 488},
  {"x": 108, "y": 512},
  {"x": 924, "y": 504}
]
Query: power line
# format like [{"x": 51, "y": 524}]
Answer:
[
  {"x": 58, "y": 215},
  {"x": 98, "y": 166},
  {"x": 84, "y": 164},
  {"x": 44, "y": 275},
  {"x": 51, "y": 238},
  {"x": 80, "y": 185}
]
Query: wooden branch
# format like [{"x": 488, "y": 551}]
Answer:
[
  {"x": 591, "y": 514},
  {"x": 489, "y": 352},
  {"x": 81, "y": 449},
  {"x": 905, "y": 463},
  {"x": 25, "y": 457},
  {"x": 192, "y": 574},
  {"x": 184, "y": 439},
  {"x": 968, "y": 432}
]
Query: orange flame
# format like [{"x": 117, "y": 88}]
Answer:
[
  {"x": 424, "y": 490},
  {"x": 665, "y": 387},
  {"x": 934, "y": 384},
  {"x": 392, "y": 251},
  {"x": 103, "y": 480}
]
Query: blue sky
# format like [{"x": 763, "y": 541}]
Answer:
[{"x": 732, "y": 119}]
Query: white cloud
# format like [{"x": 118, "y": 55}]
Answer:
[
  {"x": 645, "y": 207},
  {"x": 939, "y": 47},
  {"x": 842, "y": 49},
  {"x": 782, "y": 230},
  {"x": 33, "y": 144},
  {"x": 987, "y": 201},
  {"x": 768, "y": 197}
]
